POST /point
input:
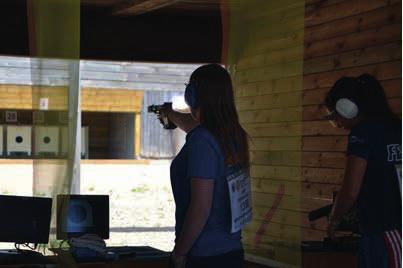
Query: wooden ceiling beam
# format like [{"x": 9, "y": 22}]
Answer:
[{"x": 137, "y": 7}]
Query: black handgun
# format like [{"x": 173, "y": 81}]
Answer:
[
  {"x": 320, "y": 212},
  {"x": 166, "y": 123},
  {"x": 349, "y": 221}
]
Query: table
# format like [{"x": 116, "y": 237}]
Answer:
[{"x": 152, "y": 258}]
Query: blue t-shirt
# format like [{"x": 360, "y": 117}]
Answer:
[
  {"x": 379, "y": 201},
  {"x": 202, "y": 157}
]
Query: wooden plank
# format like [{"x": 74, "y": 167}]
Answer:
[
  {"x": 153, "y": 85},
  {"x": 289, "y": 84},
  {"x": 137, "y": 135},
  {"x": 382, "y": 71},
  {"x": 276, "y": 158},
  {"x": 267, "y": 73},
  {"x": 273, "y": 55},
  {"x": 360, "y": 22},
  {"x": 318, "y": 128},
  {"x": 270, "y": 58},
  {"x": 100, "y": 99},
  {"x": 360, "y": 57},
  {"x": 342, "y": 10},
  {"x": 28, "y": 97},
  {"x": 279, "y": 100},
  {"x": 396, "y": 105},
  {"x": 314, "y": 112},
  {"x": 324, "y": 144},
  {"x": 314, "y": 97},
  {"x": 278, "y": 172},
  {"x": 271, "y": 186},
  {"x": 281, "y": 232},
  {"x": 268, "y": 9},
  {"x": 137, "y": 7},
  {"x": 273, "y": 129},
  {"x": 392, "y": 89},
  {"x": 310, "y": 128},
  {"x": 276, "y": 144},
  {"x": 288, "y": 21},
  {"x": 298, "y": 204},
  {"x": 294, "y": 188},
  {"x": 286, "y": 114},
  {"x": 282, "y": 242},
  {"x": 325, "y": 158},
  {"x": 372, "y": 37},
  {"x": 276, "y": 231},
  {"x": 280, "y": 41},
  {"x": 289, "y": 217},
  {"x": 322, "y": 175}
]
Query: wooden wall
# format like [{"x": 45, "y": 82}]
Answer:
[
  {"x": 92, "y": 99},
  {"x": 342, "y": 38},
  {"x": 265, "y": 57},
  {"x": 283, "y": 65}
]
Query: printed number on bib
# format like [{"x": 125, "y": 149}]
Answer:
[{"x": 240, "y": 199}]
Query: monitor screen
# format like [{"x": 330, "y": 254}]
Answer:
[
  {"x": 25, "y": 219},
  {"x": 86, "y": 214}
]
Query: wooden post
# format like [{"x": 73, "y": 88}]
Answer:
[{"x": 137, "y": 135}]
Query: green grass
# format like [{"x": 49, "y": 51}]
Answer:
[{"x": 140, "y": 189}]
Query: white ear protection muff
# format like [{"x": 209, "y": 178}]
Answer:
[{"x": 346, "y": 108}]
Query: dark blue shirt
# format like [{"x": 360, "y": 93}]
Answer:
[
  {"x": 379, "y": 201},
  {"x": 202, "y": 157}
]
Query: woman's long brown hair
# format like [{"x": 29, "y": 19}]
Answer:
[{"x": 218, "y": 113}]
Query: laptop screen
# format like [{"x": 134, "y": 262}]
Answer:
[
  {"x": 78, "y": 215},
  {"x": 25, "y": 219}
]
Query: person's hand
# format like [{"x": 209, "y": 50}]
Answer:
[
  {"x": 331, "y": 228},
  {"x": 166, "y": 110},
  {"x": 164, "y": 113},
  {"x": 179, "y": 261}
]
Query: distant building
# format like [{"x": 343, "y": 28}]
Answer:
[{"x": 114, "y": 99}]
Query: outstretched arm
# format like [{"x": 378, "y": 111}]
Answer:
[{"x": 183, "y": 120}]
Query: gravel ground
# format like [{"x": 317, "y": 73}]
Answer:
[{"x": 141, "y": 202}]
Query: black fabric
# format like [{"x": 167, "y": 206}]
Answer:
[
  {"x": 379, "y": 201},
  {"x": 233, "y": 259}
]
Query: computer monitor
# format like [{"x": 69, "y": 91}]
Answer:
[
  {"x": 25, "y": 219},
  {"x": 86, "y": 214}
]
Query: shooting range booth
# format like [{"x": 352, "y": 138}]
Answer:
[{"x": 283, "y": 57}]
